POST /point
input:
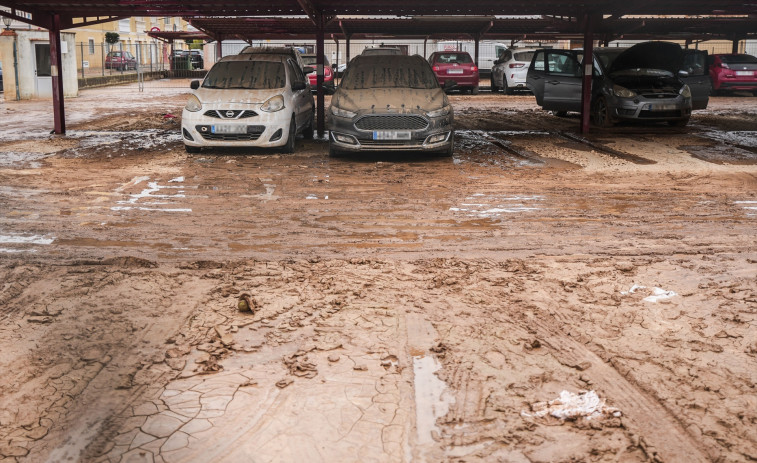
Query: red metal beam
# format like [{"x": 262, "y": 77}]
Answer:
[
  {"x": 59, "y": 113},
  {"x": 591, "y": 21}
]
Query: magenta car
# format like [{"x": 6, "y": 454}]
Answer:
[
  {"x": 733, "y": 72},
  {"x": 455, "y": 70}
]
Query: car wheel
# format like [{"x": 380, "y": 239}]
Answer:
[
  {"x": 289, "y": 147},
  {"x": 679, "y": 122},
  {"x": 560, "y": 113},
  {"x": 506, "y": 88},
  {"x": 192, "y": 149},
  {"x": 310, "y": 129},
  {"x": 601, "y": 113},
  {"x": 495, "y": 89},
  {"x": 474, "y": 90}
]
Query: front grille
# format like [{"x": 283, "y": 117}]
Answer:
[
  {"x": 230, "y": 113},
  {"x": 656, "y": 96},
  {"x": 656, "y": 114},
  {"x": 392, "y": 122},
  {"x": 390, "y": 142},
  {"x": 253, "y": 133}
]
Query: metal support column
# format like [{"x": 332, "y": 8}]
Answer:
[
  {"x": 219, "y": 49},
  {"x": 335, "y": 62},
  {"x": 425, "y": 42},
  {"x": 590, "y": 22},
  {"x": 320, "y": 24},
  {"x": 59, "y": 113},
  {"x": 475, "y": 50},
  {"x": 735, "y": 45}
]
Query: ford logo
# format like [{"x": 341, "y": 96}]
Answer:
[{"x": 229, "y": 113}]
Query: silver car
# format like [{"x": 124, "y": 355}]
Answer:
[
  {"x": 651, "y": 81},
  {"x": 390, "y": 103}
]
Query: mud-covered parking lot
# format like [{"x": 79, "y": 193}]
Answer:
[{"x": 541, "y": 296}]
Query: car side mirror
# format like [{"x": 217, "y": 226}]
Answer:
[
  {"x": 683, "y": 73},
  {"x": 298, "y": 86},
  {"x": 308, "y": 69},
  {"x": 194, "y": 85}
]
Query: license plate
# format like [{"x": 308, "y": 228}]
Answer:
[
  {"x": 454, "y": 71},
  {"x": 660, "y": 107},
  {"x": 744, "y": 73},
  {"x": 228, "y": 128},
  {"x": 391, "y": 135}
]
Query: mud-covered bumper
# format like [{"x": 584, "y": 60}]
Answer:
[
  {"x": 248, "y": 126},
  {"x": 651, "y": 109},
  {"x": 345, "y": 135}
]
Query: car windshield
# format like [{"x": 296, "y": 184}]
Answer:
[
  {"x": 254, "y": 75},
  {"x": 525, "y": 56},
  {"x": 385, "y": 74},
  {"x": 607, "y": 57},
  {"x": 453, "y": 58},
  {"x": 738, "y": 59}
]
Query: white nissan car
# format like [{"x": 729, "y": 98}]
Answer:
[{"x": 249, "y": 100}]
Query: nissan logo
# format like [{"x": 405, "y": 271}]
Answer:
[{"x": 229, "y": 113}]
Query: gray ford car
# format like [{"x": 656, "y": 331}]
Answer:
[
  {"x": 390, "y": 103},
  {"x": 650, "y": 81}
]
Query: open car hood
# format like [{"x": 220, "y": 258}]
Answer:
[{"x": 650, "y": 55}]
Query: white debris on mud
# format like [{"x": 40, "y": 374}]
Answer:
[
  {"x": 658, "y": 294},
  {"x": 481, "y": 205},
  {"x": 572, "y": 406}
]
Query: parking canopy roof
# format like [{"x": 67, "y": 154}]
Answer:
[{"x": 76, "y": 12}]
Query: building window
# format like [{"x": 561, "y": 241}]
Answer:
[{"x": 91, "y": 46}]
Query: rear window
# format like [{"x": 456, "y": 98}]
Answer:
[
  {"x": 362, "y": 76},
  {"x": 311, "y": 60},
  {"x": 738, "y": 59},
  {"x": 524, "y": 56},
  {"x": 453, "y": 58},
  {"x": 254, "y": 75}
]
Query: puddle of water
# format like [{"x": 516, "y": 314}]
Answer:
[
  {"x": 480, "y": 205},
  {"x": 151, "y": 197},
  {"x": 15, "y": 159},
  {"x": 431, "y": 402},
  {"x": 19, "y": 239},
  {"x": 748, "y": 206}
]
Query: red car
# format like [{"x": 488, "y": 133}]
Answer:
[
  {"x": 328, "y": 73},
  {"x": 457, "y": 67},
  {"x": 120, "y": 60},
  {"x": 733, "y": 72}
]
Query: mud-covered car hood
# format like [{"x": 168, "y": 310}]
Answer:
[
  {"x": 235, "y": 96},
  {"x": 649, "y": 55},
  {"x": 395, "y": 99}
]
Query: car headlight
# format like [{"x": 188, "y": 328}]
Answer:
[
  {"x": 193, "y": 104},
  {"x": 622, "y": 92},
  {"x": 339, "y": 112},
  {"x": 685, "y": 91},
  {"x": 440, "y": 112},
  {"x": 273, "y": 104}
]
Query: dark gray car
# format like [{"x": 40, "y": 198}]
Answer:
[
  {"x": 390, "y": 103},
  {"x": 651, "y": 81}
]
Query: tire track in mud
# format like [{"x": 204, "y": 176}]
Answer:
[{"x": 664, "y": 435}]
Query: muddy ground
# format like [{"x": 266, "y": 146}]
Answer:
[{"x": 406, "y": 307}]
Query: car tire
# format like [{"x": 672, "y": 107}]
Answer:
[
  {"x": 601, "y": 114},
  {"x": 506, "y": 88},
  {"x": 474, "y": 90},
  {"x": 192, "y": 149},
  {"x": 289, "y": 147},
  {"x": 309, "y": 131},
  {"x": 451, "y": 148},
  {"x": 560, "y": 113},
  {"x": 495, "y": 89},
  {"x": 679, "y": 123}
]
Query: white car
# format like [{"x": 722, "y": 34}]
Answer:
[
  {"x": 249, "y": 100},
  {"x": 510, "y": 70}
]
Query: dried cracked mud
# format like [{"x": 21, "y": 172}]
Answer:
[{"x": 541, "y": 296}]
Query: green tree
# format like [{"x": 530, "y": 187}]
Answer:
[{"x": 112, "y": 37}]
